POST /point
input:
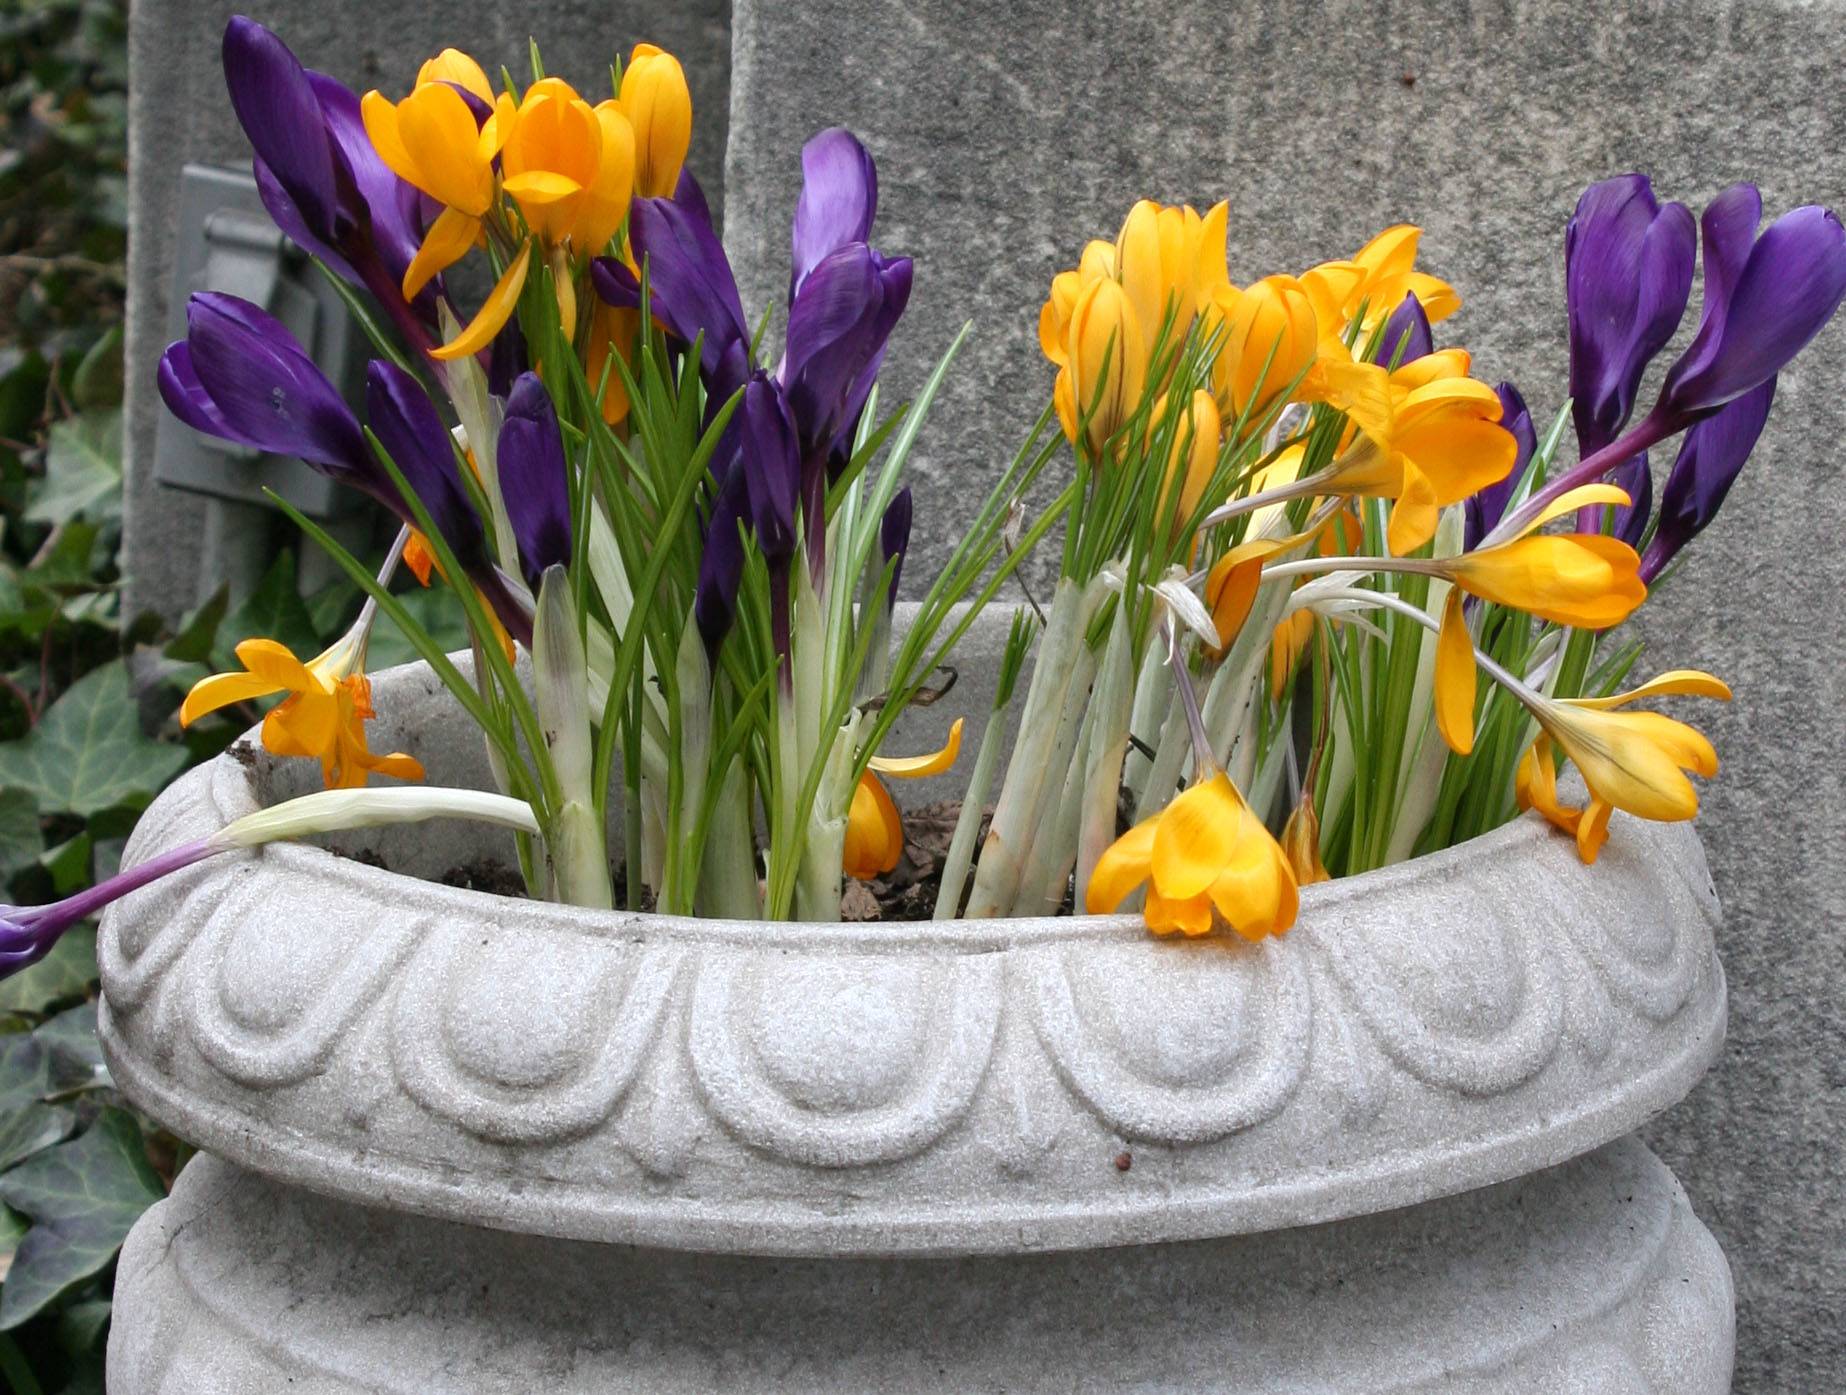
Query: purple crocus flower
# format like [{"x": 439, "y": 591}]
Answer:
[
  {"x": 721, "y": 569},
  {"x": 1484, "y": 508},
  {"x": 1408, "y": 327},
  {"x": 27, "y": 933},
  {"x": 1710, "y": 459},
  {"x": 838, "y": 325},
  {"x": 1765, "y": 299},
  {"x": 241, "y": 376},
  {"x": 1627, "y": 274},
  {"x": 771, "y": 464},
  {"x": 533, "y": 478},
  {"x": 894, "y": 537},
  {"x": 839, "y": 199},
  {"x": 318, "y": 174},
  {"x": 411, "y": 433}
]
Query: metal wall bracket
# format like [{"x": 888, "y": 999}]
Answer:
[{"x": 226, "y": 242}]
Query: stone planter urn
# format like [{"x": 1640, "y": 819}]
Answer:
[{"x": 456, "y": 1142}]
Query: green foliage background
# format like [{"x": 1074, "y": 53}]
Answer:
[{"x": 87, "y": 696}]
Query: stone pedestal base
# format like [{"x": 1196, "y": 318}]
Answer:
[{"x": 1591, "y": 1277}]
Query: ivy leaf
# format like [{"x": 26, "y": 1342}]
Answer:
[
  {"x": 199, "y": 630},
  {"x": 21, "y": 840},
  {"x": 436, "y": 610},
  {"x": 83, "y": 470},
  {"x": 69, "y": 864},
  {"x": 83, "y": 1198},
  {"x": 98, "y": 379},
  {"x": 275, "y": 611},
  {"x": 88, "y": 753},
  {"x": 32, "y": 1128},
  {"x": 66, "y": 973},
  {"x": 13, "y": 1228},
  {"x": 76, "y": 1056}
]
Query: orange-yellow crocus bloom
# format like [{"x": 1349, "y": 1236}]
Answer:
[
  {"x": 1301, "y": 842},
  {"x": 1206, "y": 861},
  {"x": 1105, "y": 371},
  {"x": 1170, "y": 260},
  {"x": 1437, "y": 445},
  {"x": 1633, "y": 761},
  {"x": 1192, "y": 460},
  {"x": 569, "y": 166},
  {"x": 874, "y": 829},
  {"x": 1587, "y": 580},
  {"x": 658, "y": 105},
  {"x": 1375, "y": 281},
  {"x": 432, "y": 141},
  {"x": 324, "y": 715},
  {"x": 1270, "y": 341}
]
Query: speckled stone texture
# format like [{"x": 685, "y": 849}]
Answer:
[
  {"x": 1592, "y": 1278},
  {"x": 890, "y": 1089},
  {"x": 1006, "y": 135},
  {"x": 178, "y": 114}
]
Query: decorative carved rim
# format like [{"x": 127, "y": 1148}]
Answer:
[{"x": 907, "y": 1088}]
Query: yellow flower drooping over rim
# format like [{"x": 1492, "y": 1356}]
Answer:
[
  {"x": 1206, "y": 859},
  {"x": 1588, "y": 580},
  {"x": 658, "y": 105},
  {"x": 323, "y": 717},
  {"x": 1632, "y": 761},
  {"x": 874, "y": 837}
]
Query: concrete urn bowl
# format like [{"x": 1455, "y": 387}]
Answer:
[{"x": 462, "y": 1142}]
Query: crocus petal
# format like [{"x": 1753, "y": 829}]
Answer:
[
  {"x": 1584, "y": 579},
  {"x": 1123, "y": 866},
  {"x": 1406, "y": 336},
  {"x": 221, "y": 690},
  {"x": 276, "y": 106},
  {"x": 1486, "y": 506},
  {"x": 721, "y": 564},
  {"x": 918, "y": 767},
  {"x": 1601, "y": 494},
  {"x": 411, "y": 433},
  {"x": 771, "y": 463},
  {"x": 1628, "y": 272},
  {"x": 839, "y": 197},
  {"x": 1711, "y": 457},
  {"x": 495, "y": 311},
  {"x": 874, "y": 838},
  {"x": 265, "y": 390},
  {"x": 534, "y": 478},
  {"x": 690, "y": 284},
  {"x": 446, "y": 243},
  {"x": 1195, "y": 837},
  {"x": 1678, "y": 682},
  {"x": 1790, "y": 285},
  {"x": 894, "y": 541},
  {"x": 1455, "y": 677}
]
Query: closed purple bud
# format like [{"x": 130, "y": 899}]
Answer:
[
  {"x": 278, "y": 109},
  {"x": 1627, "y": 275},
  {"x": 721, "y": 566},
  {"x": 838, "y": 327},
  {"x": 894, "y": 536},
  {"x": 507, "y": 358},
  {"x": 839, "y": 198},
  {"x": 1764, "y": 300},
  {"x": 771, "y": 463},
  {"x": 1710, "y": 458},
  {"x": 1406, "y": 335},
  {"x": 1486, "y": 507},
  {"x": 411, "y": 433},
  {"x": 1635, "y": 478},
  {"x": 241, "y": 376},
  {"x": 534, "y": 479},
  {"x": 690, "y": 286}
]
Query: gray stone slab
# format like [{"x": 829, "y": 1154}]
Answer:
[
  {"x": 1593, "y": 1277},
  {"x": 178, "y": 113},
  {"x": 1006, "y": 135}
]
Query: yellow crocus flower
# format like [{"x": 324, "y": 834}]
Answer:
[
  {"x": 1632, "y": 761},
  {"x": 658, "y": 105},
  {"x": 323, "y": 717},
  {"x": 554, "y": 155},
  {"x": 874, "y": 837},
  {"x": 1206, "y": 860},
  {"x": 1192, "y": 460},
  {"x": 1105, "y": 370},
  {"x": 452, "y": 65},
  {"x": 1270, "y": 341},
  {"x": 1376, "y": 279}
]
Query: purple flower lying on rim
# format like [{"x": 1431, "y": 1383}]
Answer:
[{"x": 318, "y": 174}]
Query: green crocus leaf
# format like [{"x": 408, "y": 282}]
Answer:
[
  {"x": 88, "y": 753},
  {"x": 83, "y": 1197},
  {"x": 66, "y": 973},
  {"x": 83, "y": 470}
]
